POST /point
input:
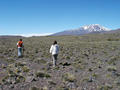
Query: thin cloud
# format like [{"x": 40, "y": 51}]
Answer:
[{"x": 30, "y": 35}]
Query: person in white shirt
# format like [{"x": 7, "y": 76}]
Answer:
[{"x": 54, "y": 50}]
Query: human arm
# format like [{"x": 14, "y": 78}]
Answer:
[
  {"x": 17, "y": 44},
  {"x": 23, "y": 47},
  {"x": 58, "y": 48},
  {"x": 51, "y": 49}
]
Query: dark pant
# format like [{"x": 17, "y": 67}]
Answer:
[{"x": 54, "y": 59}]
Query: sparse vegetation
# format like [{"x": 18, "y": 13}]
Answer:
[
  {"x": 69, "y": 77},
  {"x": 86, "y": 62},
  {"x": 111, "y": 68},
  {"x": 42, "y": 74},
  {"x": 34, "y": 88}
]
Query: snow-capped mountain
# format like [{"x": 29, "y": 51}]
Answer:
[{"x": 93, "y": 28}]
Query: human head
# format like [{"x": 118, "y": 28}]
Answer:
[
  {"x": 55, "y": 42},
  {"x": 20, "y": 39}
]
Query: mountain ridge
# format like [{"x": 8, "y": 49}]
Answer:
[{"x": 92, "y": 28}]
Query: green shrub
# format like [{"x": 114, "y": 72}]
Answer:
[
  {"x": 34, "y": 88},
  {"x": 42, "y": 74},
  {"x": 111, "y": 68},
  {"x": 69, "y": 77}
]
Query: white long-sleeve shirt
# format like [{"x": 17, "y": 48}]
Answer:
[{"x": 54, "y": 49}]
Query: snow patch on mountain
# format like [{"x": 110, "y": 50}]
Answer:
[{"x": 83, "y": 30}]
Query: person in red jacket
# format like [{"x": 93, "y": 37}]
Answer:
[{"x": 20, "y": 47}]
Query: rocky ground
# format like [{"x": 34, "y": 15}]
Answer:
[{"x": 89, "y": 62}]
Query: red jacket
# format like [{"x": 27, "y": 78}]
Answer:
[{"x": 20, "y": 44}]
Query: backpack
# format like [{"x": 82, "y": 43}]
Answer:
[{"x": 20, "y": 44}]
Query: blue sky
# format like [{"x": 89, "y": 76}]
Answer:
[{"x": 49, "y": 16}]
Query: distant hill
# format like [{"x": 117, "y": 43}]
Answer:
[
  {"x": 10, "y": 36},
  {"x": 93, "y": 28},
  {"x": 113, "y": 31}
]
